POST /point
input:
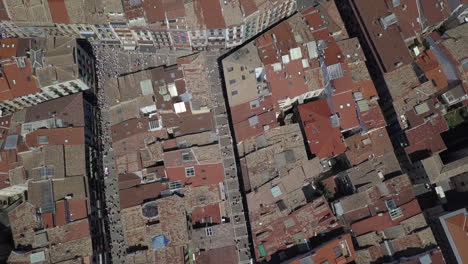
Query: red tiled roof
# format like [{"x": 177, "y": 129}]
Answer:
[
  {"x": 457, "y": 225},
  {"x": 324, "y": 140},
  {"x": 287, "y": 83},
  {"x": 248, "y": 7},
  {"x": 345, "y": 106},
  {"x": 208, "y": 213},
  {"x": 427, "y": 136},
  {"x": 59, "y": 12},
  {"x": 76, "y": 230},
  {"x": 48, "y": 220},
  {"x": 212, "y": 14},
  {"x": 434, "y": 12},
  {"x": 275, "y": 235},
  {"x": 407, "y": 14},
  {"x": 388, "y": 45},
  {"x": 225, "y": 255},
  {"x": 128, "y": 180},
  {"x": 373, "y": 118},
  {"x": 371, "y": 202},
  {"x": 364, "y": 147},
  {"x": 19, "y": 81},
  {"x": 432, "y": 69},
  {"x": 343, "y": 84},
  {"x": 327, "y": 252},
  {"x": 381, "y": 222},
  {"x": 313, "y": 19},
  {"x": 129, "y": 128},
  {"x": 243, "y": 111},
  {"x": 77, "y": 209},
  {"x": 57, "y": 136},
  {"x": 137, "y": 195},
  {"x": 244, "y": 130},
  {"x": 3, "y": 12},
  {"x": 60, "y": 215},
  {"x": 333, "y": 53},
  {"x": 157, "y": 10},
  {"x": 204, "y": 174},
  {"x": 275, "y": 43},
  {"x": 8, "y": 47},
  {"x": 366, "y": 87}
]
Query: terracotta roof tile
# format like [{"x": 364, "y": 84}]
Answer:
[
  {"x": 207, "y": 214},
  {"x": 137, "y": 195},
  {"x": 212, "y": 14},
  {"x": 20, "y": 81},
  {"x": 287, "y": 83},
  {"x": 57, "y": 136},
  {"x": 388, "y": 45},
  {"x": 278, "y": 232},
  {"x": 328, "y": 251},
  {"x": 432, "y": 69},
  {"x": 204, "y": 174},
  {"x": 381, "y": 222},
  {"x": 77, "y": 209},
  {"x": 60, "y": 213},
  {"x": 225, "y": 255},
  {"x": 457, "y": 228},
  {"x": 59, "y": 12},
  {"x": 345, "y": 105},
  {"x": 324, "y": 140},
  {"x": 435, "y": 11},
  {"x": 246, "y": 129},
  {"x": 363, "y": 147}
]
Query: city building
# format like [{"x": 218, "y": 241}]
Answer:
[
  {"x": 49, "y": 190},
  {"x": 196, "y": 25},
  {"x": 40, "y": 69}
]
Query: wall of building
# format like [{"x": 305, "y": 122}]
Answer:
[{"x": 130, "y": 37}]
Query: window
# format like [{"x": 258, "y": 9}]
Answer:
[
  {"x": 232, "y": 81},
  {"x": 46, "y": 172},
  {"x": 153, "y": 124},
  {"x": 43, "y": 140},
  {"x": 209, "y": 231},
  {"x": 338, "y": 252},
  {"x": 234, "y": 92},
  {"x": 185, "y": 156},
  {"x": 190, "y": 172},
  {"x": 230, "y": 69},
  {"x": 175, "y": 185}
]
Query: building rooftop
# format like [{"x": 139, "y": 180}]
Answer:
[
  {"x": 17, "y": 80},
  {"x": 284, "y": 153},
  {"x": 361, "y": 147},
  {"x": 373, "y": 170},
  {"x": 226, "y": 255},
  {"x": 321, "y": 129},
  {"x": 429, "y": 64},
  {"x": 455, "y": 228},
  {"x": 273, "y": 232},
  {"x": 138, "y": 194},
  {"x": 371, "y": 202},
  {"x": 339, "y": 250},
  {"x": 386, "y": 220},
  {"x": 381, "y": 24}
]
